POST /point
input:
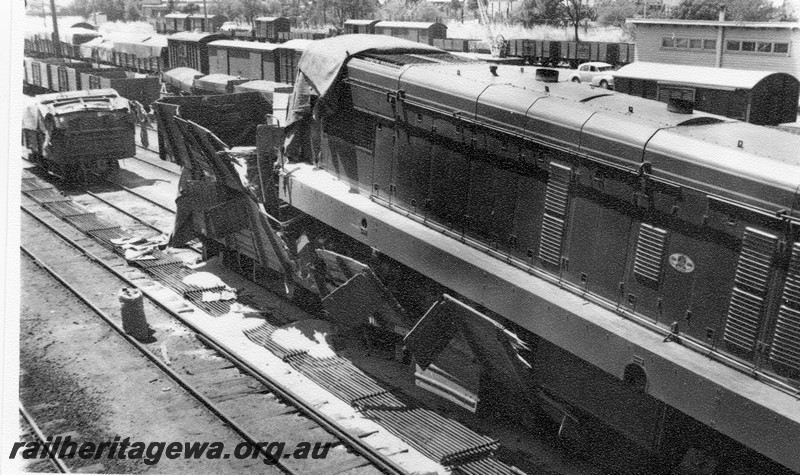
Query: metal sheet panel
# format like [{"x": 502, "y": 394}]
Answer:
[
  {"x": 411, "y": 170},
  {"x": 558, "y": 122},
  {"x": 449, "y": 181},
  {"x": 369, "y": 85}
]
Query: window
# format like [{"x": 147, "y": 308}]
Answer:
[
  {"x": 781, "y": 48},
  {"x": 667, "y": 42},
  {"x": 593, "y": 69},
  {"x": 710, "y": 44},
  {"x": 764, "y": 47},
  {"x": 748, "y": 45},
  {"x": 695, "y": 43},
  {"x": 681, "y": 43},
  {"x": 733, "y": 45}
]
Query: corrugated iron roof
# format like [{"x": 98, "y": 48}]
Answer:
[
  {"x": 176, "y": 15},
  {"x": 720, "y": 78},
  {"x": 739, "y": 24},
  {"x": 268, "y": 18},
  {"x": 406, "y": 24}
]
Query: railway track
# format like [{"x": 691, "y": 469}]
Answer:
[
  {"x": 30, "y": 432},
  {"x": 460, "y": 445},
  {"x": 228, "y": 387}
]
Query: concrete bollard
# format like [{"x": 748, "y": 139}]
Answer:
[{"x": 132, "y": 309}]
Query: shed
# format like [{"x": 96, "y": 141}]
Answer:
[
  {"x": 421, "y": 32},
  {"x": 206, "y": 23},
  {"x": 247, "y": 59},
  {"x": 759, "y": 97},
  {"x": 175, "y": 22},
  {"x": 366, "y": 27},
  {"x": 769, "y": 46},
  {"x": 268, "y": 27},
  {"x": 190, "y": 49}
]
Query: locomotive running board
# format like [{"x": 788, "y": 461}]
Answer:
[{"x": 729, "y": 400}]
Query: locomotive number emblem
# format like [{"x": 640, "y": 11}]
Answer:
[{"x": 681, "y": 263}]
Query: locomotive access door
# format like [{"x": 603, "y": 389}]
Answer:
[
  {"x": 599, "y": 232},
  {"x": 411, "y": 169}
]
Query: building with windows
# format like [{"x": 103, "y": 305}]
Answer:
[{"x": 758, "y": 46}]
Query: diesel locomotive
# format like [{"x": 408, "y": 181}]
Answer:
[{"x": 646, "y": 257}]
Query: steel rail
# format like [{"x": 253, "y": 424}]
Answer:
[
  {"x": 126, "y": 213},
  {"x": 59, "y": 464},
  {"x": 210, "y": 405},
  {"x": 379, "y": 460}
]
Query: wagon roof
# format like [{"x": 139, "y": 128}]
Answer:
[
  {"x": 702, "y": 76},
  {"x": 75, "y": 101},
  {"x": 361, "y": 22},
  {"x": 407, "y": 24},
  {"x": 192, "y": 36},
  {"x": 245, "y": 45},
  {"x": 270, "y": 18}
]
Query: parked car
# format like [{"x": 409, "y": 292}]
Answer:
[
  {"x": 604, "y": 80},
  {"x": 587, "y": 71}
]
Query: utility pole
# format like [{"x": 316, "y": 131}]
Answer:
[
  {"x": 56, "y": 38},
  {"x": 205, "y": 21}
]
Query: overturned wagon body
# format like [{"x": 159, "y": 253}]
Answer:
[
  {"x": 647, "y": 259},
  {"x": 76, "y": 134}
]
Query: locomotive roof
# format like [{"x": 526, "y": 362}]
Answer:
[
  {"x": 697, "y": 149},
  {"x": 700, "y": 76}
]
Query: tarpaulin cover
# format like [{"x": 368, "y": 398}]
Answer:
[
  {"x": 181, "y": 78},
  {"x": 322, "y": 66},
  {"x": 219, "y": 83},
  {"x": 75, "y": 36},
  {"x": 142, "y": 46}
]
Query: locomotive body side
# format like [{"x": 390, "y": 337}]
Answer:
[{"x": 629, "y": 239}]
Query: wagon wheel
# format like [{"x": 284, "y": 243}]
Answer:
[{"x": 105, "y": 167}]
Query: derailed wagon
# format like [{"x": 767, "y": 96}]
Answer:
[{"x": 78, "y": 134}]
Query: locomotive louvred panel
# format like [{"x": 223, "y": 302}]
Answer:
[
  {"x": 750, "y": 286},
  {"x": 649, "y": 252},
  {"x": 744, "y": 312},
  {"x": 786, "y": 342},
  {"x": 553, "y": 221},
  {"x": 791, "y": 290},
  {"x": 755, "y": 261},
  {"x": 557, "y": 189}
]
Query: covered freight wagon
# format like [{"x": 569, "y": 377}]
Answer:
[{"x": 759, "y": 97}]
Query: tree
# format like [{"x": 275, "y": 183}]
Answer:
[
  {"x": 191, "y": 8},
  {"x": 614, "y": 12},
  {"x": 251, "y": 9},
  {"x": 531, "y": 12},
  {"x": 735, "y": 10},
  {"x": 573, "y": 12}
]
